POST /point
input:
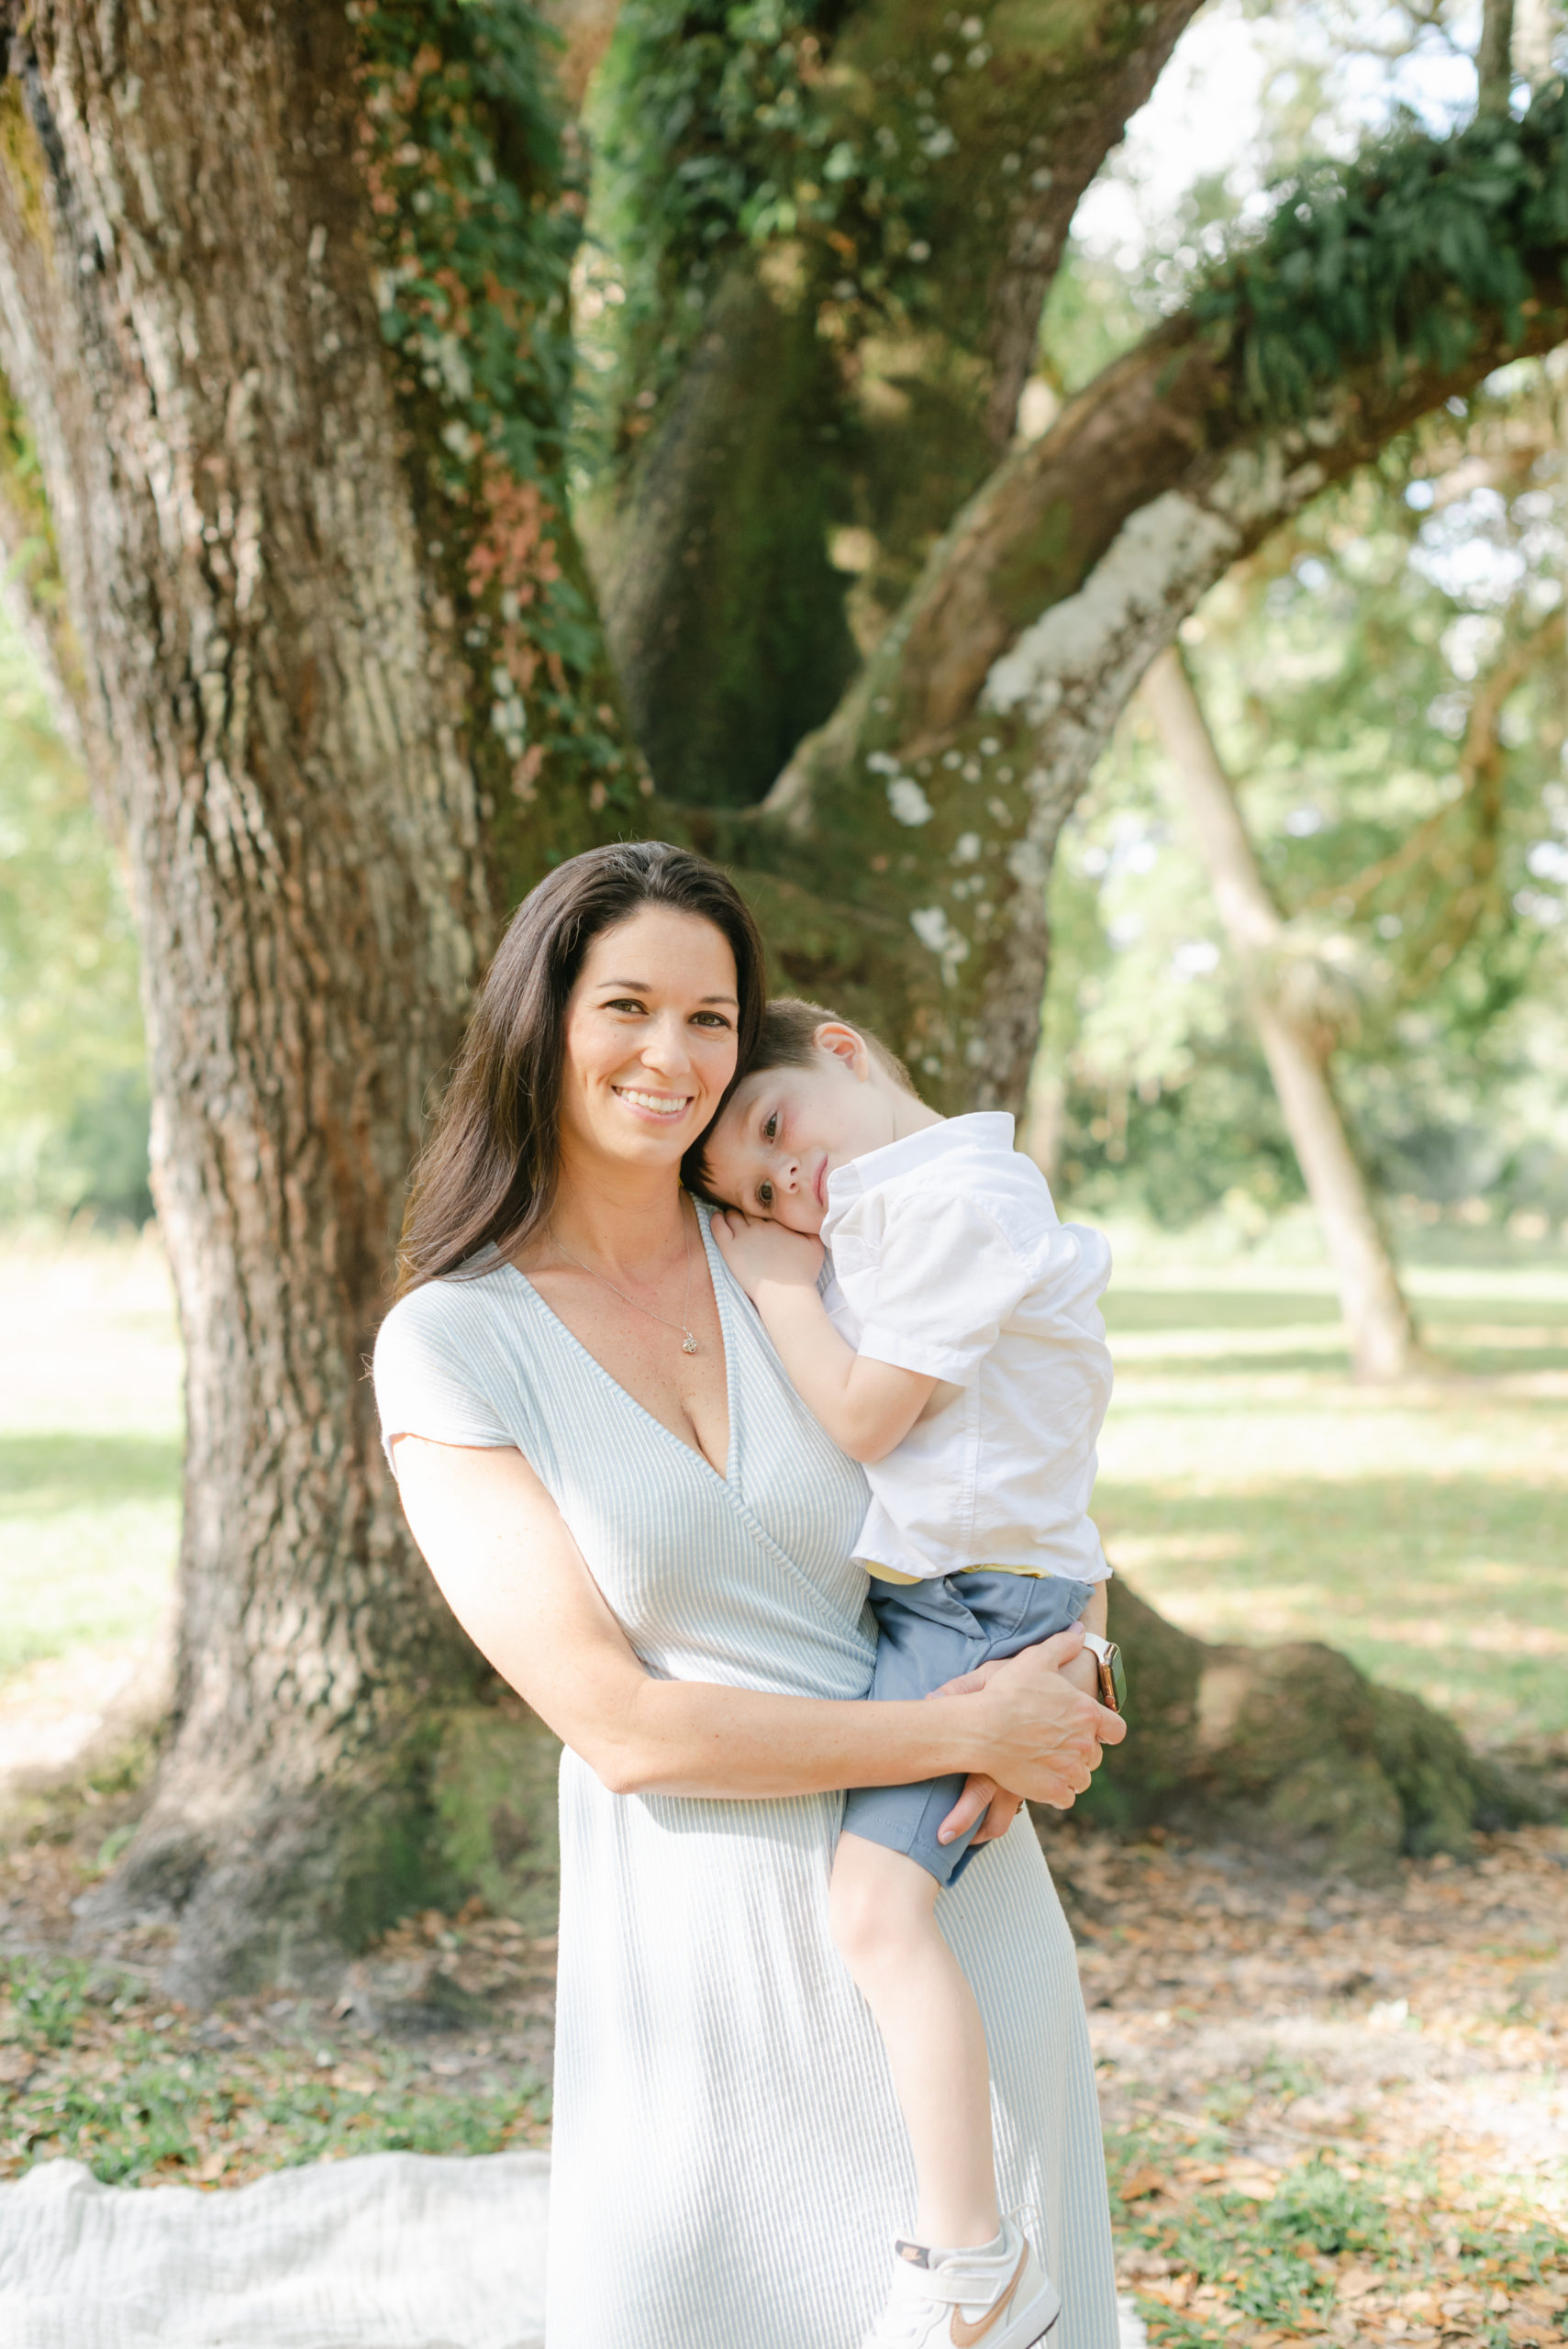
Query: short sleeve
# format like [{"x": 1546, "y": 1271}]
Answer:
[
  {"x": 428, "y": 1373},
  {"x": 947, "y": 1278}
]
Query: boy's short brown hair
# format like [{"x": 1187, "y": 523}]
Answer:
[{"x": 787, "y": 1039}]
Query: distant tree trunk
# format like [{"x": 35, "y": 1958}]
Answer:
[
  {"x": 1296, "y": 1049},
  {"x": 1535, "y": 27},
  {"x": 1495, "y": 56}
]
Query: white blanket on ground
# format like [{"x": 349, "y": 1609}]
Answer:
[{"x": 389, "y": 2250}]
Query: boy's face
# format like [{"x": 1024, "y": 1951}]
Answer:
[{"x": 786, "y": 1130}]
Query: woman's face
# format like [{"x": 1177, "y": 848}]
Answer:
[{"x": 650, "y": 1040}]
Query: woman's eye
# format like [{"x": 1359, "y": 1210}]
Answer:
[{"x": 764, "y": 1194}]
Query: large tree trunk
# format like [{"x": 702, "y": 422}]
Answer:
[
  {"x": 1295, "y": 1037},
  {"x": 186, "y": 315}
]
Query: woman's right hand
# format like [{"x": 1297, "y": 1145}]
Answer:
[{"x": 1047, "y": 1737}]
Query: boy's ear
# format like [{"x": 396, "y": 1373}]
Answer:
[{"x": 845, "y": 1044}]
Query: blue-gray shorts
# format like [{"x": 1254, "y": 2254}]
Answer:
[{"x": 928, "y": 1632}]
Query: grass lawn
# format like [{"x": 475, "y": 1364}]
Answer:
[
  {"x": 88, "y": 1525},
  {"x": 90, "y": 1432},
  {"x": 1252, "y": 1491},
  {"x": 1246, "y": 1486}
]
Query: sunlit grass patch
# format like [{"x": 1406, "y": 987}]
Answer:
[
  {"x": 89, "y": 1533},
  {"x": 1252, "y": 1491},
  {"x": 1454, "y": 1587}
]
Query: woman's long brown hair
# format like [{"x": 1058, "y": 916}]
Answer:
[{"x": 489, "y": 1171}]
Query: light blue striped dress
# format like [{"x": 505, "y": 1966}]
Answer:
[{"x": 730, "y": 2168}]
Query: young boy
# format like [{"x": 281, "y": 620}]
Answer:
[{"x": 958, "y": 1352}]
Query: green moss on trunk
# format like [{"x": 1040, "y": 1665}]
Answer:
[{"x": 1290, "y": 1748}]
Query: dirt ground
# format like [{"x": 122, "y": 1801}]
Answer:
[{"x": 1331, "y": 2110}]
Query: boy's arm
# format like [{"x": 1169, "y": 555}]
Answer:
[
  {"x": 866, "y": 1407},
  {"x": 1083, "y": 1672}
]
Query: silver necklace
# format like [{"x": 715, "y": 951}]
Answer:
[{"x": 688, "y": 1343}]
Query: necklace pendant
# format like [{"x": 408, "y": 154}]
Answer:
[{"x": 688, "y": 1343}]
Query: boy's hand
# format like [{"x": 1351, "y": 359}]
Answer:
[{"x": 762, "y": 1254}]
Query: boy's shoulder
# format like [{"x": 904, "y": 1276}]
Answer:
[{"x": 968, "y": 1161}]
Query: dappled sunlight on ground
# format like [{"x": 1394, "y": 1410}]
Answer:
[
  {"x": 1250, "y": 1495},
  {"x": 1333, "y": 2109}
]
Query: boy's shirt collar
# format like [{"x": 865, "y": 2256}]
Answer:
[{"x": 986, "y": 1128}]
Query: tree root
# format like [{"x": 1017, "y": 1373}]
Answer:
[{"x": 1290, "y": 1748}]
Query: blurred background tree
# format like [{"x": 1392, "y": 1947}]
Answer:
[
  {"x": 1389, "y": 680},
  {"x": 1386, "y": 682}
]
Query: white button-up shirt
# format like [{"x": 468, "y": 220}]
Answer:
[{"x": 948, "y": 1257}]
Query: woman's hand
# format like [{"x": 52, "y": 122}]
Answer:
[
  {"x": 762, "y": 1254},
  {"x": 981, "y": 1798},
  {"x": 1056, "y": 1733},
  {"x": 1082, "y": 1672}
]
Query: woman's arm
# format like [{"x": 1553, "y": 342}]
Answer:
[{"x": 517, "y": 1582}]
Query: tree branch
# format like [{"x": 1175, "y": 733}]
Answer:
[
  {"x": 585, "y": 27},
  {"x": 943, "y": 779},
  {"x": 860, "y": 360},
  {"x": 1457, "y": 910}
]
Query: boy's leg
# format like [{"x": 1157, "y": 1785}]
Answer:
[{"x": 883, "y": 1908}]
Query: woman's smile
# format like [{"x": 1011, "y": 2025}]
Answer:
[{"x": 665, "y": 1106}]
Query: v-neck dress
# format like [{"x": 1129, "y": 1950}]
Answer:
[{"x": 730, "y": 2168}]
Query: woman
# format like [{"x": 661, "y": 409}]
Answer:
[{"x": 649, "y": 1535}]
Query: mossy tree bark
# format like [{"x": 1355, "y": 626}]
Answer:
[
  {"x": 796, "y": 409},
  {"x": 1291, "y": 1749},
  {"x": 902, "y": 857},
  {"x": 283, "y": 305},
  {"x": 266, "y": 651}
]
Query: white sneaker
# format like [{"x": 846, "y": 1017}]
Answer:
[{"x": 954, "y": 2299}]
